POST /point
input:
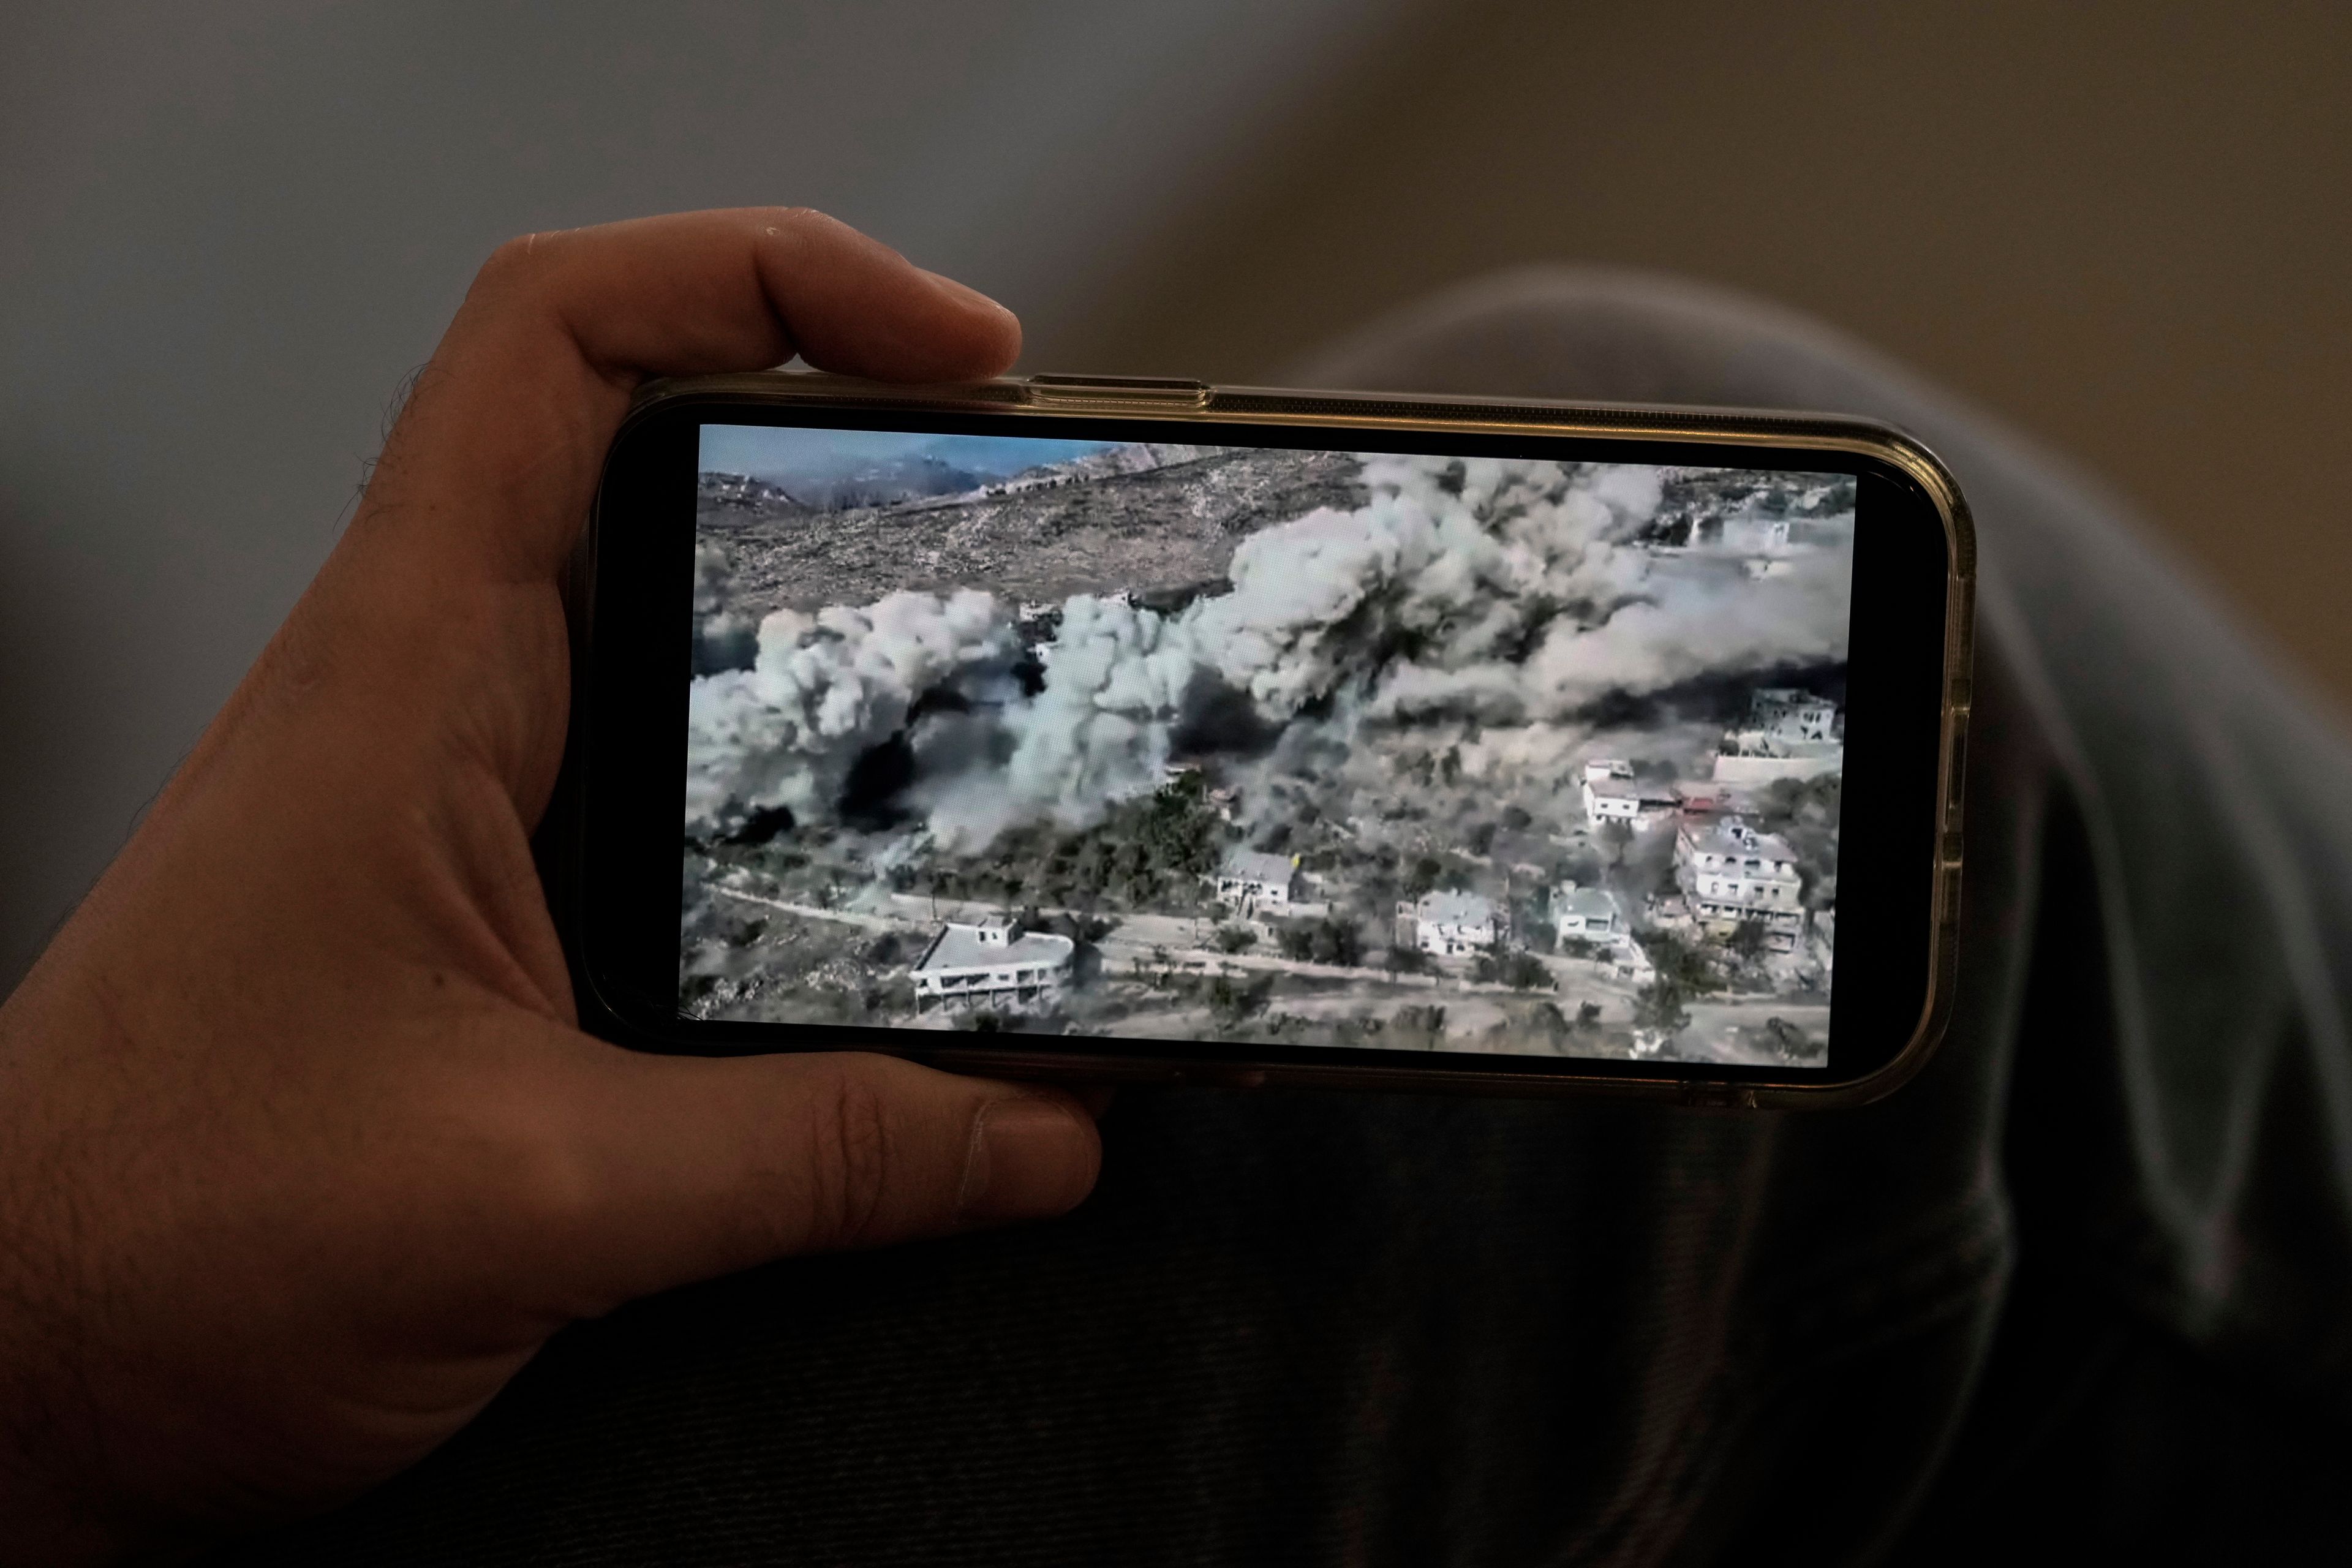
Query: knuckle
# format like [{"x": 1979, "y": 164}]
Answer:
[
  {"x": 854, "y": 1160},
  {"x": 512, "y": 263}
]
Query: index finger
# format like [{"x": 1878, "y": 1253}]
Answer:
[{"x": 493, "y": 463}]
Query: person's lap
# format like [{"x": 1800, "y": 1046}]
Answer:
[{"x": 1293, "y": 1326}]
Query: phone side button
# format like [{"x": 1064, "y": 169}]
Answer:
[
  {"x": 1048, "y": 390},
  {"x": 1957, "y": 769}
]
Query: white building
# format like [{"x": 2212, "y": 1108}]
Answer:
[
  {"x": 1587, "y": 914},
  {"x": 1611, "y": 795},
  {"x": 1785, "y": 713},
  {"x": 1598, "y": 916},
  {"x": 996, "y": 964},
  {"x": 1452, "y": 923},
  {"x": 1251, "y": 880},
  {"x": 1627, "y": 962},
  {"x": 1731, "y": 873},
  {"x": 1790, "y": 734}
]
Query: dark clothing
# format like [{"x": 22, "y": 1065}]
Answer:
[{"x": 2086, "y": 1282}]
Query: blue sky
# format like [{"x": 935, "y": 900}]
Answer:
[{"x": 782, "y": 455}]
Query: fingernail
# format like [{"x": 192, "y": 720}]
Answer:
[
  {"x": 1031, "y": 1158},
  {"x": 968, "y": 294}
]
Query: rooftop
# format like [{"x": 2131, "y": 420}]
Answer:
[
  {"x": 1631, "y": 789},
  {"x": 959, "y": 947},
  {"x": 1585, "y": 903},
  {"x": 1454, "y": 909},
  {"x": 1258, "y": 865},
  {"x": 1733, "y": 836}
]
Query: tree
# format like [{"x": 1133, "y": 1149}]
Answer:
[
  {"x": 1525, "y": 971},
  {"x": 1679, "y": 961},
  {"x": 1233, "y": 1005},
  {"x": 1615, "y": 835},
  {"x": 1748, "y": 940},
  {"x": 1326, "y": 941},
  {"x": 1659, "y": 1005},
  {"x": 1236, "y": 939}
]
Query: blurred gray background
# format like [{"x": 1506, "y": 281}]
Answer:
[{"x": 228, "y": 232}]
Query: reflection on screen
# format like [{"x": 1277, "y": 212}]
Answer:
[{"x": 1314, "y": 748}]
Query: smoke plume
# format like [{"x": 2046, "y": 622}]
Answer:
[{"x": 1508, "y": 592}]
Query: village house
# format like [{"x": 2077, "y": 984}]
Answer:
[
  {"x": 1597, "y": 916},
  {"x": 1252, "y": 880},
  {"x": 1787, "y": 714},
  {"x": 996, "y": 964},
  {"x": 1450, "y": 925},
  {"x": 1587, "y": 914},
  {"x": 1732, "y": 874},
  {"x": 1627, "y": 962},
  {"x": 1612, "y": 795},
  {"x": 1790, "y": 734}
]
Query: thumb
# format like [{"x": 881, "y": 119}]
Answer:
[{"x": 669, "y": 1169}]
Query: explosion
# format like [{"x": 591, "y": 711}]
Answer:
[{"x": 1508, "y": 592}]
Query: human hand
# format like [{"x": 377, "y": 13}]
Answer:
[{"x": 301, "y": 1152}]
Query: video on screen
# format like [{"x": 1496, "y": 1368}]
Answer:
[{"x": 1252, "y": 744}]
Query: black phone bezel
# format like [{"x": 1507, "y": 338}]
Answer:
[{"x": 613, "y": 853}]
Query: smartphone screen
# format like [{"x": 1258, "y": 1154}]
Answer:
[{"x": 1255, "y": 744}]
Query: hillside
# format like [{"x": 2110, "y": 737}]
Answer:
[{"x": 1098, "y": 524}]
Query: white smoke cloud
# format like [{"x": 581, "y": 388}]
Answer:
[
  {"x": 1097, "y": 734},
  {"x": 1499, "y": 591},
  {"x": 724, "y": 639},
  {"x": 826, "y": 688}
]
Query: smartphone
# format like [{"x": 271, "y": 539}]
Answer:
[{"x": 1102, "y": 729}]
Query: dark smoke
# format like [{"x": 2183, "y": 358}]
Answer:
[
  {"x": 1218, "y": 719},
  {"x": 1716, "y": 696}
]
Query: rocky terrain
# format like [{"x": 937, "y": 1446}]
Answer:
[{"x": 1078, "y": 527}]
